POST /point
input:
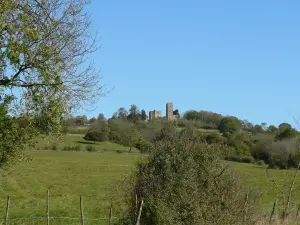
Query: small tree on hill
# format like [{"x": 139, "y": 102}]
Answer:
[
  {"x": 97, "y": 135},
  {"x": 230, "y": 125}
]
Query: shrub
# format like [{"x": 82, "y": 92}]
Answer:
[
  {"x": 260, "y": 163},
  {"x": 77, "y": 148},
  {"x": 141, "y": 144},
  {"x": 185, "y": 182},
  {"x": 53, "y": 147},
  {"x": 233, "y": 158},
  {"x": 90, "y": 148},
  {"x": 68, "y": 148},
  {"x": 114, "y": 136},
  {"x": 247, "y": 159},
  {"x": 47, "y": 147}
]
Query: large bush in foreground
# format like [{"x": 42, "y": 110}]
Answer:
[{"x": 182, "y": 181}]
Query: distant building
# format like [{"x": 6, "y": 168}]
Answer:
[
  {"x": 154, "y": 114},
  {"x": 170, "y": 114}
]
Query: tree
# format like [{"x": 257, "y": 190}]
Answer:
[
  {"x": 271, "y": 129},
  {"x": 246, "y": 125},
  {"x": 101, "y": 117},
  {"x": 230, "y": 125},
  {"x": 264, "y": 126},
  {"x": 134, "y": 113},
  {"x": 81, "y": 120},
  {"x": 122, "y": 113},
  {"x": 44, "y": 66},
  {"x": 257, "y": 129},
  {"x": 143, "y": 115},
  {"x": 285, "y": 130},
  {"x": 96, "y": 135},
  {"x": 283, "y": 126},
  {"x": 191, "y": 115},
  {"x": 92, "y": 120}
]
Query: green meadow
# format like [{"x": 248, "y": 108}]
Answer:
[{"x": 94, "y": 175}]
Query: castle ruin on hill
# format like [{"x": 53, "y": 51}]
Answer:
[{"x": 170, "y": 114}]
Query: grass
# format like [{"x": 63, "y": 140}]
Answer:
[
  {"x": 68, "y": 175},
  {"x": 257, "y": 177},
  {"x": 77, "y": 140}
]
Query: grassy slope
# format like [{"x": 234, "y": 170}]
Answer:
[{"x": 77, "y": 140}]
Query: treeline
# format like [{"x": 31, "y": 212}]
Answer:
[{"x": 240, "y": 140}]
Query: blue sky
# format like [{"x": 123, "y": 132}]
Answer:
[{"x": 238, "y": 58}]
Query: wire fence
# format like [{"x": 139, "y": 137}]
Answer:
[
  {"x": 52, "y": 219},
  {"x": 48, "y": 219}
]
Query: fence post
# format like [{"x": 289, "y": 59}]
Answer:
[
  {"x": 110, "y": 214},
  {"x": 140, "y": 212},
  {"x": 81, "y": 210},
  {"x": 136, "y": 205},
  {"x": 7, "y": 208},
  {"x": 47, "y": 208}
]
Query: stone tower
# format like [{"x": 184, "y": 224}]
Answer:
[{"x": 169, "y": 111}]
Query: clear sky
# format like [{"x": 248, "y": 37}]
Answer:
[{"x": 239, "y": 58}]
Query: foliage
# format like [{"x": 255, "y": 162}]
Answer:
[
  {"x": 16, "y": 134},
  {"x": 230, "y": 125},
  {"x": 184, "y": 182},
  {"x": 90, "y": 148},
  {"x": 44, "y": 69},
  {"x": 208, "y": 118},
  {"x": 285, "y": 131}
]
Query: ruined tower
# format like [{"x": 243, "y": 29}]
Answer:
[
  {"x": 169, "y": 111},
  {"x": 154, "y": 114}
]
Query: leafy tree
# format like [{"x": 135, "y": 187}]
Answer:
[
  {"x": 44, "y": 68},
  {"x": 191, "y": 115},
  {"x": 264, "y": 126},
  {"x": 101, "y": 117},
  {"x": 246, "y": 125},
  {"x": 81, "y": 120},
  {"x": 257, "y": 129},
  {"x": 285, "y": 132},
  {"x": 271, "y": 129},
  {"x": 92, "y": 120},
  {"x": 98, "y": 133},
  {"x": 143, "y": 115},
  {"x": 229, "y": 125},
  {"x": 16, "y": 135},
  {"x": 122, "y": 113},
  {"x": 134, "y": 113},
  {"x": 283, "y": 126}
]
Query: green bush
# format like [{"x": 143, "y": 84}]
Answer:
[
  {"x": 68, "y": 148},
  {"x": 90, "y": 148},
  {"x": 185, "y": 182},
  {"x": 141, "y": 144},
  {"x": 53, "y": 147},
  {"x": 247, "y": 159},
  {"x": 260, "y": 163}
]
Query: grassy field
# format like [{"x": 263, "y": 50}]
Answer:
[
  {"x": 68, "y": 175},
  {"x": 77, "y": 140}
]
